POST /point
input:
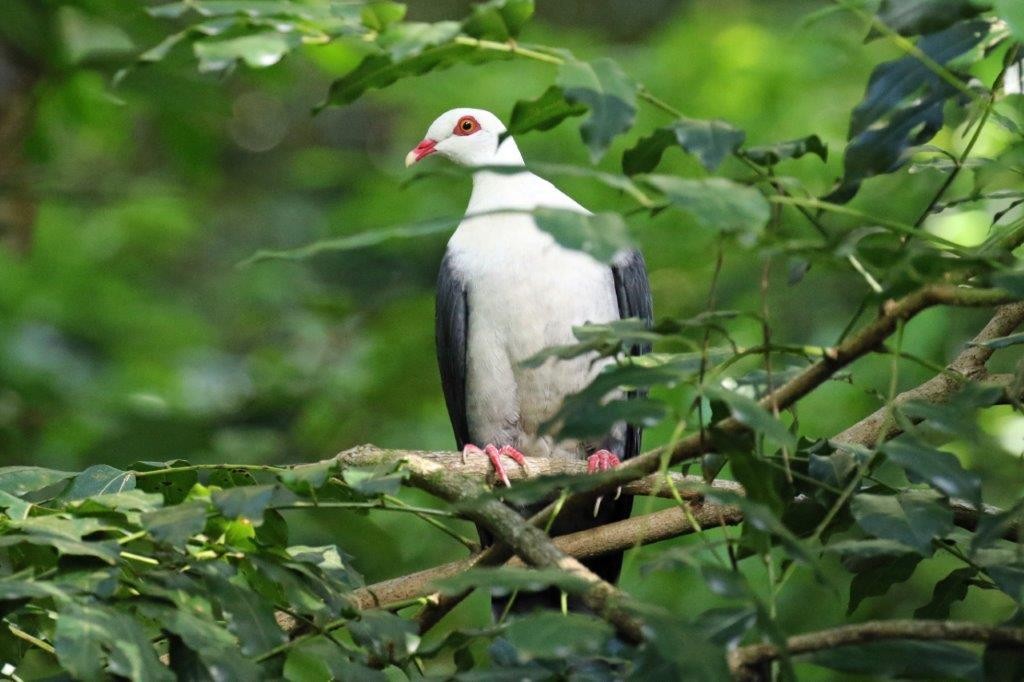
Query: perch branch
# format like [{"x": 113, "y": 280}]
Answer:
[
  {"x": 526, "y": 540},
  {"x": 744, "y": 660},
  {"x": 585, "y": 544}
]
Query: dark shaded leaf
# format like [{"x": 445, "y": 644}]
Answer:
[
  {"x": 941, "y": 470},
  {"x": 217, "y": 649},
  {"x": 173, "y": 485},
  {"x": 716, "y": 203},
  {"x": 876, "y": 576},
  {"x": 749, "y": 412},
  {"x": 249, "y": 618},
  {"x": 903, "y": 107},
  {"x": 901, "y": 659},
  {"x": 993, "y": 526},
  {"x": 549, "y": 634},
  {"x": 726, "y": 626},
  {"x": 771, "y": 154},
  {"x": 948, "y": 591},
  {"x": 543, "y": 113},
  {"x": 602, "y": 235},
  {"x": 84, "y": 633},
  {"x": 709, "y": 141},
  {"x": 913, "y": 17},
  {"x": 385, "y": 635},
  {"x": 913, "y": 517}
]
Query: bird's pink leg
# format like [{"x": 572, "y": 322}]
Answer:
[
  {"x": 602, "y": 460},
  {"x": 494, "y": 455}
]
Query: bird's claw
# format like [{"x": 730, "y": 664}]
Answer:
[
  {"x": 602, "y": 460},
  {"x": 494, "y": 455}
]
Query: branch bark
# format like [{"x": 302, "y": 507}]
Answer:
[
  {"x": 969, "y": 365},
  {"x": 744, "y": 660},
  {"x": 526, "y": 540},
  {"x": 586, "y": 544}
]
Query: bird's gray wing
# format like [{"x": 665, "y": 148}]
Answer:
[
  {"x": 633, "y": 291},
  {"x": 451, "y": 329}
]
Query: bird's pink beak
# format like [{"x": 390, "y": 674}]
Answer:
[{"x": 425, "y": 148}]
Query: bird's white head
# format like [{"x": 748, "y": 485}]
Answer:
[{"x": 468, "y": 137}]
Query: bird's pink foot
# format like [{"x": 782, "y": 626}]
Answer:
[
  {"x": 494, "y": 455},
  {"x": 602, "y": 460}
]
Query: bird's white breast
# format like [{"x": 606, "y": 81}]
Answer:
[{"x": 525, "y": 293}]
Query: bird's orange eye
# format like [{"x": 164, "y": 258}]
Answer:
[{"x": 467, "y": 125}]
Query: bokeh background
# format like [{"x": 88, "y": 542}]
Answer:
[{"x": 129, "y": 331}]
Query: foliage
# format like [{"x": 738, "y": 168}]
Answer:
[{"x": 107, "y": 570}]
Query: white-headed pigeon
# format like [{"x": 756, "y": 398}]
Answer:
[{"x": 506, "y": 291}]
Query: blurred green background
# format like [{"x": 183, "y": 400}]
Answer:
[{"x": 129, "y": 332}]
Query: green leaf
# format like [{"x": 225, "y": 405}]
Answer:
[
  {"x": 874, "y": 577},
  {"x": 83, "y": 633},
  {"x": 709, "y": 141},
  {"x": 246, "y": 502},
  {"x": 18, "y": 480},
  {"x": 380, "y": 14},
  {"x": 610, "y": 95},
  {"x": 550, "y": 634},
  {"x": 356, "y": 241},
  {"x": 716, "y": 203},
  {"x": 761, "y": 518},
  {"x": 543, "y": 113},
  {"x": 249, "y": 617},
  {"x": 913, "y": 17},
  {"x": 304, "y": 478},
  {"x": 771, "y": 154},
  {"x": 15, "y": 507},
  {"x": 992, "y": 526},
  {"x": 258, "y": 50},
  {"x": 903, "y": 107},
  {"x": 305, "y": 665},
  {"x": 216, "y": 648},
  {"x": 173, "y": 485},
  {"x": 749, "y": 412},
  {"x": 86, "y": 37},
  {"x": 949, "y": 590},
  {"x": 941, "y": 470},
  {"x": 385, "y": 635},
  {"x": 602, "y": 235},
  {"x": 899, "y": 659},
  {"x": 371, "y": 481},
  {"x": 99, "y": 479},
  {"x": 1002, "y": 341},
  {"x": 381, "y": 70},
  {"x": 913, "y": 517},
  {"x": 499, "y": 20},
  {"x": 175, "y": 525},
  {"x": 1012, "y": 13},
  {"x": 65, "y": 534}
]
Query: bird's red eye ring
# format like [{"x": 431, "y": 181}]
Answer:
[{"x": 467, "y": 125}]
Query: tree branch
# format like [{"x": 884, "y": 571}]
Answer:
[
  {"x": 968, "y": 365},
  {"x": 526, "y": 540},
  {"x": 585, "y": 544},
  {"x": 743, "y": 661}
]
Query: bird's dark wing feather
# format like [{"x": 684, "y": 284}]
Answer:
[
  {"x": 451, "y": 331},
  {"x": 633, "y": 291}
]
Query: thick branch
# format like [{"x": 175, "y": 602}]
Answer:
[
  {"x": 743, "y": 661},
  {"x": 586, "y": 544},
  {"x": 527, "y": 541},
  {"x": 968, "y": 365}
]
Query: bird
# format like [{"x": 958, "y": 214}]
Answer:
[{"x": 506, "y": 290}]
